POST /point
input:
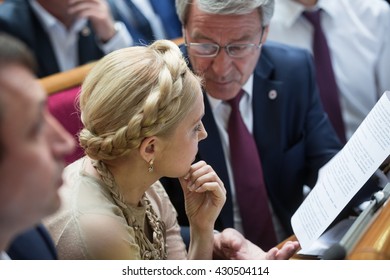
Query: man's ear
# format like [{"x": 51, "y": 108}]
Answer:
[
  {"x": 183, "y": 31},
  {"x": 147, "y": 148},
  {"x": 265, "y": 34}
]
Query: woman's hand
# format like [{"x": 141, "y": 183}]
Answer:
[{"x": 204, "y": 195}]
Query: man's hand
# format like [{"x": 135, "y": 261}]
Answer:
[
  {"x": 231, "y": 244},
  {"x": 98, "y": 12}
]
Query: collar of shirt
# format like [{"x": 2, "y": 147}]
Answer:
[
  {"x": 290, "y": 11},
  {"x": 221, "y": 110},
  {"x": 49, "y": 22},
  {"x": 4, "y": 256},
  {"x": 247, "y": 87}
]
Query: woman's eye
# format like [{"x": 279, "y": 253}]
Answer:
[{"x": 198, "y": 127}]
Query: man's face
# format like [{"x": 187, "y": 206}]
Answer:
[
  {"x": 33, "y": 146},
  {"x": 224, "y": 75}
]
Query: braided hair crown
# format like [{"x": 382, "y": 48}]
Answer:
[{"x": 134, "y": 93}]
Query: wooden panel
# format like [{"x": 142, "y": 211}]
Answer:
[
  {"x": 178, "y": 41},
  {"x": 375, "y": 243},
  {"x": 65, "y": 80}
]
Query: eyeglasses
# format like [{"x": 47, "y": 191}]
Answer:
[
  {"x": 235, "y": 50},
  {"x": 212, "y": 50}
]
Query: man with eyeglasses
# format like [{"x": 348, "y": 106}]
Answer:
[{"x": 280, "y": 106}]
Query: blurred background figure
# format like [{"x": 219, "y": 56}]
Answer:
[
  {"x": 64, "y": 33},
  {"x": 32, "y": 149},
  {"x": 356, "y": 35},
  {"x": 149, "y": 20}
]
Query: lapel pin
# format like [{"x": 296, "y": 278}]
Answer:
[{"x": 272, "y": 94}]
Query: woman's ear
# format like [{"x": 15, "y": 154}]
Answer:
[{"x": 147, "y": 148}]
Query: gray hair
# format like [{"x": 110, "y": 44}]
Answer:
[{"x": 226, "y": 7}]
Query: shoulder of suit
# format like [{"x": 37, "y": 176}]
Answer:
[
  {"x": 15, "y": 12},
  {"x": 276, "y": 49},
  {"x": 14, "y": 7}
]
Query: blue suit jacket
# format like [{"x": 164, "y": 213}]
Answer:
[
  {"x": 167, "y": 12},
  {"x": 293, "y": 134},
  {"x": 18, "y": 19},
  {"x": 34, "y": 244}
]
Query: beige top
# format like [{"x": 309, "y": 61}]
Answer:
[{"x": 89, "y": 223}]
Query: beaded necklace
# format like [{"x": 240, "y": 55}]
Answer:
[{"x": 155, "y": 250}]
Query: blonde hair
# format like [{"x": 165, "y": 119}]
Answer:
[{"x": 134, "y": 93}]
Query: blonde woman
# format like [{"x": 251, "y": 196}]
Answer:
[{"x": 141, "y": 108}]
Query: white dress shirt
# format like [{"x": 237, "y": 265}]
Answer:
[
  {"x": 221, "y": 111},
  {"x": 65, "y": 42},
  {"x": 357, "y": 32}
]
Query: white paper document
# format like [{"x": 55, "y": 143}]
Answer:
[{"x": 343, "y": 176}]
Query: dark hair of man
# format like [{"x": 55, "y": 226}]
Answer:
[{"x": 13, "y": 51}]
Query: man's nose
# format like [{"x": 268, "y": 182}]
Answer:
[{"x": 222, "y": 63}]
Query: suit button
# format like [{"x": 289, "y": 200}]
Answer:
[{"x": 85, "y": 31}]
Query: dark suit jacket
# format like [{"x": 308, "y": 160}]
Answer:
[
  {"x": 167, "y": 12},
  {"x": 18, "y": 19},
  {"x": 293, "y": 134},
  {"x": 34, "y": 244}
]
